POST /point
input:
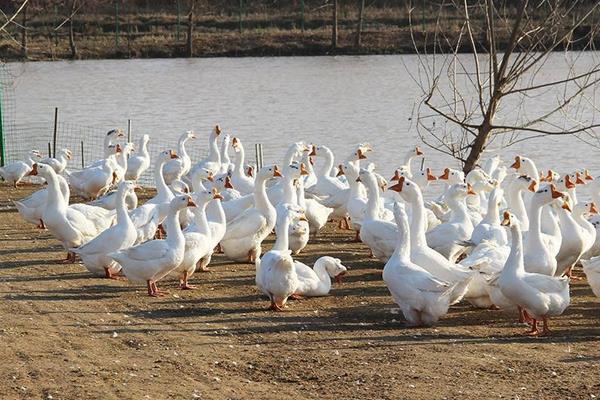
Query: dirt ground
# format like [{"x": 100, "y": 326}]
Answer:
[{"x": 68, "y": 335}]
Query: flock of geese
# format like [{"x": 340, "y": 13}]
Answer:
[{"x": 501, "y": 237}]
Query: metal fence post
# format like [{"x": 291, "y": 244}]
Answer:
[
  {"x": 82, "y": 159},
  {"x": 117, "y": 23},
  {"x": 128, "y": 131},
  {"x": 49, "y": 150},
  {"x": 2, "y": 149},
  {"x": 55, "y": 131}
]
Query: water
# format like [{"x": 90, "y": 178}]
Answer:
[{"x": 336, "y": 101}]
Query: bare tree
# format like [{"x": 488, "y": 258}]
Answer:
[
  {"x": 334, "y": 28},
  {"x": 501, "y": 91},
  {"x": 72, "y": 45},
  {"x": 359, "y": 25},
  {"x": 190, "y": 30},
  {"x": 24, "y": 32}
]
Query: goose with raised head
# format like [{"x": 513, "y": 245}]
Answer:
[
  {"x": 526, "y": 166},
  {"x": 422, "y": 298},
  {"x": 542, "y": 296},
  {"x": 405, "y": 169},
  {"x": 489, "y": 228},
  {"x": 121, "y": 161},
  {"x": 514, "y": 198},
  {"x": 226, "y": 164},
  {"x": 423, "y": 255},
  {"x": 275, "y": 272},
  {"x": 151, "y": 261},
  {"x": 573, "y": 238},
  {"x": 316, "y": 213},
  {"x": 239, "y": 179},
  {"x": 212, "y": 162},
  {"x": 112, "y": 135},
  {"x": 225, "y": 186},
  {"x": 245, "y": 234},
  {"x": 94, "y": 254},
  {"x": 138, "y": 163},
  {"x": 59, "y": 164},
  {"x": 32, "y": 207},
  {"x": 197, "y": 239},
  {"x": 176, "y": 168},
  {"x": 357, "y": 199},
  {"x": 14, "y": 172}
]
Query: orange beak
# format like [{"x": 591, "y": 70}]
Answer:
[
  {"x": 173, "y": 154},
  {"x": 338, "y": 277},
  {"x": 313, "y": 151},
  {"x": 191, "y": 203},
  {"x": 250, "y": 172},
  {"x": 578, "y": 179},
  {"x": 303, "y": 170},
  {"x": 234, "y": 142},
  {"x": 430, "y": 176},
  {"x": 542, "y": 177},
  {"x": 361, "y": 156},
  {"x": 396, "y": 176},
  {"x": 210, "y": 176},
  {"x": 340, "y": 171},
  {"x": 276, "y": 171},
  {"x": 228, "y": 184},
  {"x": 34, "y": 170},
  {"x": 533, "y": 186},
  {"x": 216, "y": 194},
  {"x": 587, "y": 176},
  {"x": 418, "y": 151},
  {"x": 549, "y": 176},
  {"x": 118, "y": 149},
  {"x": 446, "y": 174},
  {"x": 565, "y": 206},
  {"x": 506, "y": 220},
  {"x": 555, "y": 193},
  {"x": 593, "y": 209},
  {"x": 217, "y": 130},
  {"x": 398, "y": 186},
  {"x": 114, "y": 177},
  {"x": 358, "y": 179},
  {"x": 517, "y": 163},
  {"x": 568, "y": 183},
  {"x": 470, "y": 189}
]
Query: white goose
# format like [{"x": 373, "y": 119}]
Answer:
[
  {"x": 59, "y": 164},
  {"x": 226, "y": 164},
  {"x": 405, "y": 169},
  {"x": 542, "y": 296},
  {"x": 526, "y": 166},
  {"x": 32, "y": 207},
  {"x": 591, "y": 268},
  {"x": 275, "y": 272},
  {"x": 137, "y": 164},
  {"x": 243, "y": 182},
  {"x": 17, "y": 170},
  {"x": 212, "y": 162},
  {"x": 422, "y": 298},
  {"x": 316, "y": 281},
  {"x": 573, "y": 239},
  {"x": 94, "y": 253},
  {"x": 197, "y": 239},
  {"x": 316, "y": 213},
  {"x": 245, "y": 234},
  {"x": 92, "y": 182},
  {"x": 151, "y": 261},
  {"x": 489, "y": 228},
  {"x": 109, "y": 201},
  {"x": 180, "y": 166},
  {"x": 514, "y": 198},
  {"x": 111, "y": 135}
]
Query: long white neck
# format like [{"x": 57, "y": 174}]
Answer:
[
  {"x": 221, "y": 218},
  {"x": 238, "y": 166},
  {"x": 181, "y": 148},
  {"x": 261, "y": 201},
  {"x": 225, "y": 152},
  {"x": 328, "y": 165},
  {"x": 175, "y": 237},
  {"x": 281, "y": 230},
  {"x": 517, "y": 206},
  {"x": 320, "y": 269},
  {"x": 514, "y": 263},
  {"x": 197, "y": 184},
  {"x": 122, "y": 214},
  {"x": 122, "y": 159},
  {"x": 289, "y": 192},
  {"x": 534, "y": 237},
  {"x": 56, "y": 198},
  {"x": 373, "y": 199},
  {"x": 584, "y": 223},
  {"x": 144, "y": 148},
  {"x": 201, "y": 220},
  {"x": 493, "y": 212},
  {"x": 417, "y": 233},
  {"x": 402, "y": 249},
  {"x": 107, "y": 143},
  {"x": 459, "y": 210},
  {"x": 162, "y": 189},
  {"x": 289, "y": 156},
  {"x": 300, "y": 195},
  {"x": 355, "y": 188},
  {"x": 213, "y": 149}
]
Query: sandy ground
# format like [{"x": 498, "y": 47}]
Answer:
[{"x": 66, "y": 334}]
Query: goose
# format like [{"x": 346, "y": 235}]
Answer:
[
  {"x": 491, "y": 164},
  {"x": 422, "y": 178},
  {"x": 137, "y": 164},
  {"x": 316, "y": 281},
  {"x": 422, "y": 298},
  {"x": 212, "y": 162},
  {"x": 357, "y": 199},
  {"x": 109, "y": 201},
  {"x": 94, "y": 181},
  {"x": 316, "y": 213},
  {"x": 540, "y": 252},
  {"x": 489, "y": 228},
  {"x": 482, "y": 185},
  {"x": 60, "y": 162},
  {"x": 111, "y": 135},
  {"x": 176, "y": 168},
  {"x": 542, "y": 296},
  {"x": 276, "y": 274},
  {"x": 217, "y": 223},
  {"x": 580, "y": 212},
  {"x": 514, "y": 198},
  {"x": 245, "y": 234},
  {"x": 94, "y": 254},
  {"x": 226, "y": 164},
  {"x": 573, "y": 239},
  {"x": 378, "y": 234},
  {"x": 525, "y": 166},
  {"x": 164, "y": 195},
  {"x": 70, "y": 226},
  {"x": 311, "y": 179},
  {"x": 120, "y": 166},
  {"x": 423, "y": 255},
  {"x": 405, "y": 169},
  {"x": 226, "y": 188},
  {"x": 151, "y": 261},
  {"x": 591, "y": 268},
  {"x": 17, "y": 170},
  {"x": 240, "y": 180},
  {"x": 197, "y": 239},
  {"x": 32, "y": 207},
  {"x": 447, "y": 238}
]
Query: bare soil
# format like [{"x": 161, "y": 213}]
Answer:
[{"x": 68, "y": 335}]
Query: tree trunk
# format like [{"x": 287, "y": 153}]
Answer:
[
  {"x": 24, "y": 32},
  {"x": 190, "y": 31},
  {"x": 71, "y": 34},
  {"x": 480, "y": 142},
  {"x": 359, "y": 26},
  {"x": 334, "y": 29}
]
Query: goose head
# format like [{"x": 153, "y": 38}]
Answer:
[
  {"x": 480, "y": 181},
  {"x": 269, "y": 172},
  {"x": 508, "y": 219},
  {"x": 587, "y": 208},
  {"x": 66, "y": 153},
  {"x": 360, "y": 152},
  {"x": 546, "y": 194},
  {"x": 236, "y": 144},
  {"x": 367, "y": 177},
  {"x": 460, "y": 191},
  {"x": 41, "y": 169},
  {"x": 523, "y": 183},
  {"x": 349, "y": 170},
  {"x": 215, "y": 132},
  {"x": 566, "y": 183},
  {"x": 187, "y": 135},
  {"x": 180, "y": 202},
  {"x": 179, "y": 187},
  {"x": 408, "y": 189},
  {"x": 452, "y": 176},
  {"x": 413, "y": 153},
  {"x": 333, "y": 266},
  {"x": 115, "y": 133},
  {"x": 250, "y": 171},
  {"x": 422, "y": 177}
]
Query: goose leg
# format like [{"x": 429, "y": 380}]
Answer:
[
  {"x": 151, "y": 291},
  {"x": 545, "y": 330},
  {"x": 296, "y": 296},
  {"x": 109, "y": 275},
  {"x": 184, "y": 283},
  {"x": 157, "y": 291},
  {"x": 41, "y": 225},
  {"x": 534, "y": 330},
  {"x": 357, "y": 237}
]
